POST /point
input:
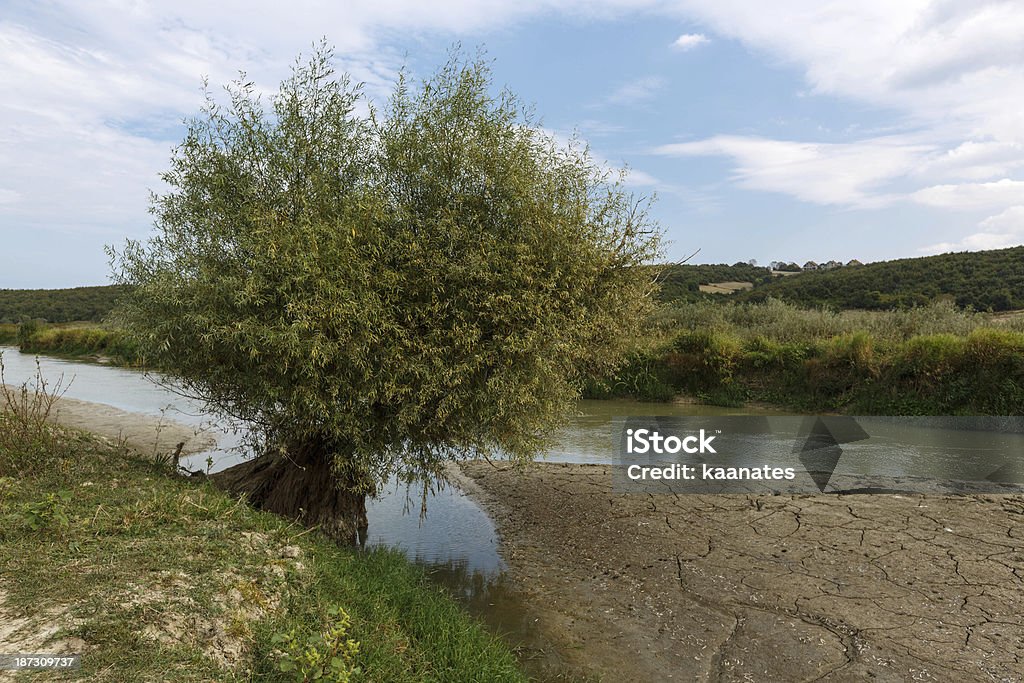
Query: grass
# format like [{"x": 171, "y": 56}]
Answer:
[
  {"x": 74, "y": 340},
  {"x": 936, "y": 360},
  {"x": 157, "y": 577},
  {"x": 8, "y": 334}
]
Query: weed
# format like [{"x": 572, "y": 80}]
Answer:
[{"x": 325, "y": 656}]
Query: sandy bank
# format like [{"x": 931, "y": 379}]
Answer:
[
  {"x": 143, "y": 433},
  {"x": 763, "y": 588}
]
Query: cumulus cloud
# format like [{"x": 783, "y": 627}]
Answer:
[
  {"x": 1005, "y": 229},
  {"x": 972, "y": 196},
  {"x": 689, "y": 41}
]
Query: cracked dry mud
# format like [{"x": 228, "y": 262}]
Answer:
[{"x": 762, "y": 588}]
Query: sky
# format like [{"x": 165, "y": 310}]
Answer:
[{"x": 794, "y": 130}]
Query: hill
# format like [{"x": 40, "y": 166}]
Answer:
[
  {"x": 58, "y": 305},
  {"x": 682, "y": 282},
  {"x": 985, "y": 281}
]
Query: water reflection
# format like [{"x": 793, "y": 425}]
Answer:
[
  {"x": 492, "y": 598},
  {"x": 454, "y": 531}
]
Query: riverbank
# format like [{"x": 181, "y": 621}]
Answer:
[
  {"x": 150, "y": 436},
  {"x": 151, "y": 576},
  {"x": 935, "y": 360},
  {"x": 86, "y": 342},
  {"x": 739, "y": 588}
]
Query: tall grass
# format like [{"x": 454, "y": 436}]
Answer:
[
  {"x": 931, "y": 360},
  {"x": 28, "y": 441},
  {"x": 782, "y": 322},
  {"x": 77, "y": 340}
]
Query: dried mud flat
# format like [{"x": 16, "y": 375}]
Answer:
[{"x": 761, "y": 588}]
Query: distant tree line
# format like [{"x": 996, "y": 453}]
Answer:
[
  {"x": 88, "y": 304},
  {"x": 682, "y": 282},
  {"x": 985, "y": 281}
]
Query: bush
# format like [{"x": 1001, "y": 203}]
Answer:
[
  {"x": 28, "y": 443},
  {"x": 928, "y": 360}
]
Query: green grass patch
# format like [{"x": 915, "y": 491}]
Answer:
[
  {"x": 76, "y": 340},
  {"x": 8, "y": 334},
  {"x": 157, "y": 577}
]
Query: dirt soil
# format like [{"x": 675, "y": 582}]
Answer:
[{"x": 762, "y": 588}]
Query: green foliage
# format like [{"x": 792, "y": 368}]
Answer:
[
  {"x": 324, "y": 656},
  {"x": 27, "y": 329},
  {"x": 703, "y": 357},
  {"x": 681, "y": 282},
  {"x": 935, "y": 360},
  {"x": 643, "y": 376},
  {"x": 78, "y": 340},
  {"x": 784, "y": 322},
  {"x": 984, "y": 281},
  {"x": 44, "y": 514},
  {"x": 432, "y": 280},
  {"x": 88, "y": 304}
]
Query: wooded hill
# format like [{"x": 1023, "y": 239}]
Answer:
[
  {"x": 985, "y": 281},
  {"x": 682, "y": 282},
  {"x": 90, "y": 304}
]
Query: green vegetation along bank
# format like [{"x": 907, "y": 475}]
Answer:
[
  {"x": 934, "y": 360},
  {"x": 155, "y": 577},
  {"x": 76, "y": 340}
]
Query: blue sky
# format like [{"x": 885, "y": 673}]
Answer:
[{"x": 796, "y": 130}]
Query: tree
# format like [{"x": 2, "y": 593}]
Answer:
[{"x": 374, "y": 295}]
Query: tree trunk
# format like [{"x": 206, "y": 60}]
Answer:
[{"x": 303, "y": 486}]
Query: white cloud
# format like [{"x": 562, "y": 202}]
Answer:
[
  {"x": 950, "y": 71},
  {"x": 936, "y": 60},
  {"x": 972, "y": 196},
  {"x": 85, "y": 84},
  {"x": 689, "y": 41},
  {"x": 997, "y": 232},
  {"x": 976, "y": 161},
  {"x": 842, "y": 174}
]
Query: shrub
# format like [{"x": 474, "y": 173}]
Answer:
[{"x": 28, "y": 443}]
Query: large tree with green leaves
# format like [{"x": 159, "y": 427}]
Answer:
[{"x": 377, "y": 291}]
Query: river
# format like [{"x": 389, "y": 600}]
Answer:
[{"x": 456, "y": 541}]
